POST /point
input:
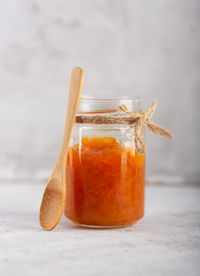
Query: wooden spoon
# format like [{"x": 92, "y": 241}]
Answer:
[{"x": 53, "y": 200}]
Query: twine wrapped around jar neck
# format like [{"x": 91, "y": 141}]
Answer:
[{"x": 138, "y": 120}]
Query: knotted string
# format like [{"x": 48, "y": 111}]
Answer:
[
  {"x": 138, "y": 120},
  {"x": 142, "y": 119}
]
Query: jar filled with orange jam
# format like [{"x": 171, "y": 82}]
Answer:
[{"x": 105, "y": 175}]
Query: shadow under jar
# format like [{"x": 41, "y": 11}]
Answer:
[{"x": 105, "y": 175}]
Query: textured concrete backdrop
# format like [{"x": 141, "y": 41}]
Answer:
[{"x": 148, "y": 48}]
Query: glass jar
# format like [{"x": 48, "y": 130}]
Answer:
[{"x": 105, "y": 175}]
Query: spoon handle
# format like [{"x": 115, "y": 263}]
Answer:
[{"x": 74, "y": 96}]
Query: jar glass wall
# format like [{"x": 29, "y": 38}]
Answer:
[{"x": 104, "y": 174}]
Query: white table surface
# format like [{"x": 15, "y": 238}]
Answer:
[{"x": 165, "y": 242}]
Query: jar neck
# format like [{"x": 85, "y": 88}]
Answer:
[{"x": 108, "y": 106}]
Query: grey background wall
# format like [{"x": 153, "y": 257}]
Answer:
[{"x": 149, "y": 48}]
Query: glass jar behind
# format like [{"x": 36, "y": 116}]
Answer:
[{"x": 105, "y": 176}]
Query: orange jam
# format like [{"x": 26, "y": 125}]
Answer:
[{"x": 105, "y": 183}]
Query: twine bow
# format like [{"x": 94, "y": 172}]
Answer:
[{"x": 142, "y": 119}]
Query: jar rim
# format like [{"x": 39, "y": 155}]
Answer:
[
  {"x": 111, "y": 99},
  {"x": 90, "y": 104}
]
